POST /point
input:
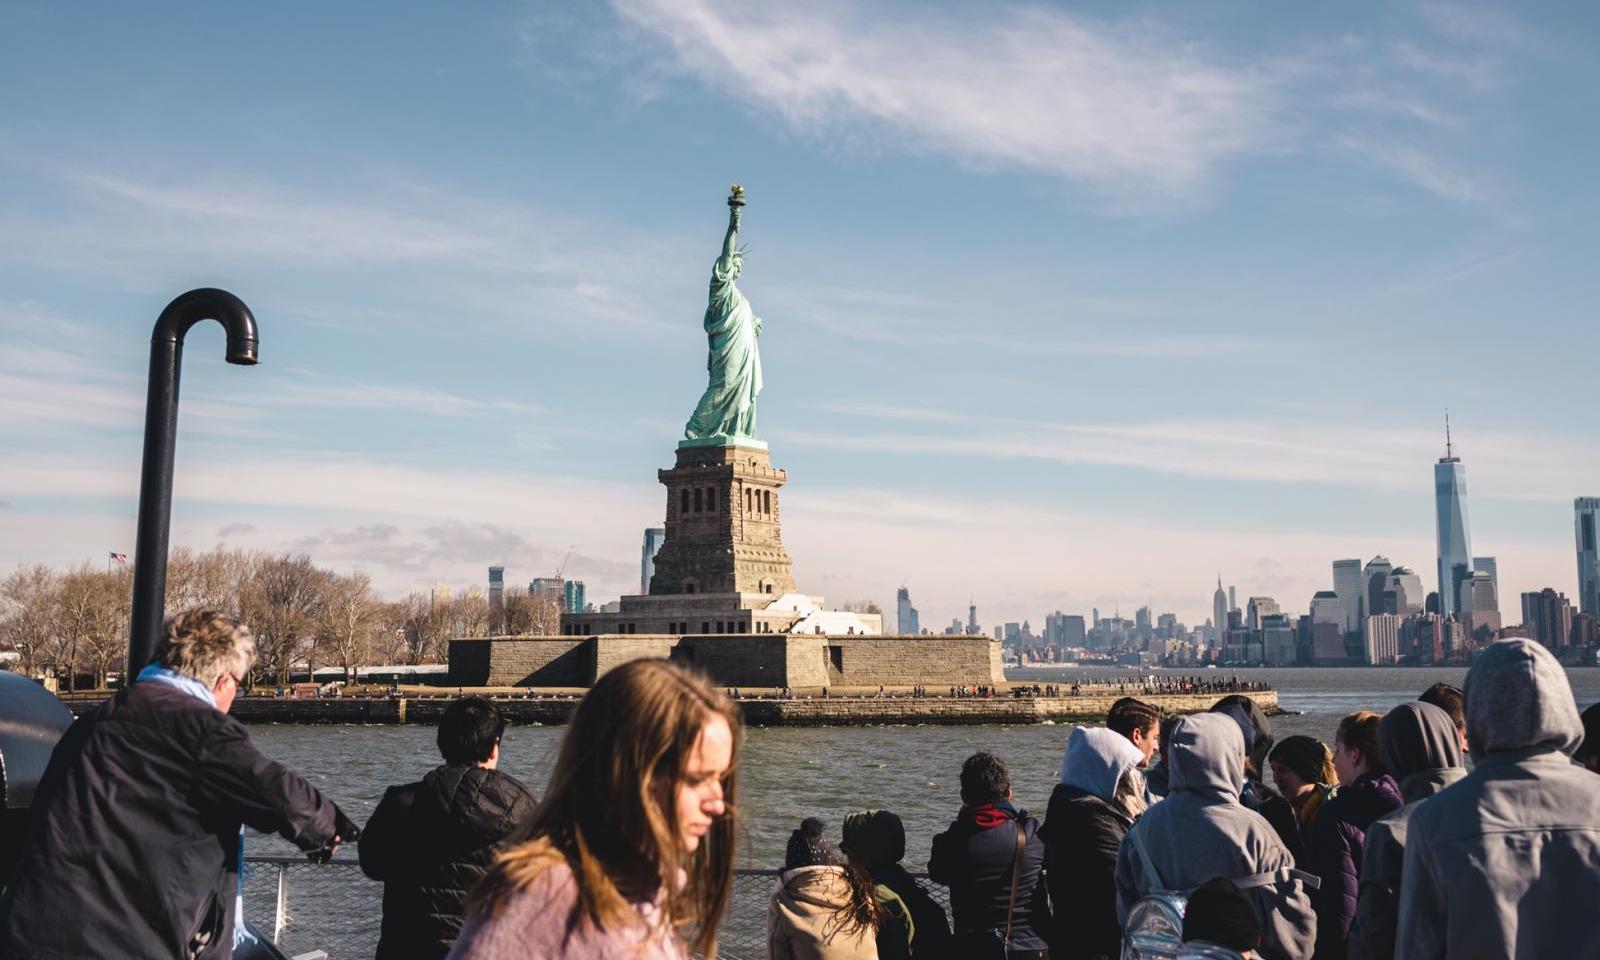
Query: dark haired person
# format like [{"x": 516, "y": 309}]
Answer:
[
  {"x": 135, "y": 844},
  {"x": 992, "y": 859},
  {"x": 431, "y": 841},
  {"x": 1139, "y": 722},
  {"x": 1452, "y": 701},
  {"x": 1256, "y": 794},
  {"x": 1336, "y": 843}
]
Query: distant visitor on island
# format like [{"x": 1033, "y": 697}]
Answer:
[{"x": 726, "y": 413}]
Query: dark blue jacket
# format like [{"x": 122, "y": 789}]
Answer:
[{"x": 973, "y": 858}]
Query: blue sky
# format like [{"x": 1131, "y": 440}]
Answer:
[{"x": 1066, "y": 305}]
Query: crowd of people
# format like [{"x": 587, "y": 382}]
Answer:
[{"x": 1382, "y": 845}]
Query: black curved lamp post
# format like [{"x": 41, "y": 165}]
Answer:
[{"x": 160, "y": 444}]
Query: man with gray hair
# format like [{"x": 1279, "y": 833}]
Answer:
[{"x": 134, "y": 846}]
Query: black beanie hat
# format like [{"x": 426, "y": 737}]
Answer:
[
  {"x": 807, "y": 848},
  {"x": 1219, "y": 913}
]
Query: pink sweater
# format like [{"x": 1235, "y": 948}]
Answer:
[{"x": 532, "y": 925}]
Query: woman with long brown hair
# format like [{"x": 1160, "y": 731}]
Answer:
[{"x": 631, "y": 851}]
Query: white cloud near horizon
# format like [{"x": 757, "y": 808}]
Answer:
[
  {"x": 1267, "y": 449},
  {"x": 1122, "y": 107}
]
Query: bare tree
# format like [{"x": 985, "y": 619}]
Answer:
[
  {"x": 281, "y": 604},
  {"x": 30, "y": 615},
  {"x": 93, "y": 607},
  {"x": 349, "y": 623},
  {"x": 525, "y": 615}
]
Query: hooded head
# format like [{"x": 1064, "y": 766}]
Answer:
[
  {"x": 1519, "y": 698},
  {"x": 1207, "y": 757},
  {"x": 1255, "y": 727},
  {"x": 1418, "y": 738},
  {"x": 1096, "y": 760}
]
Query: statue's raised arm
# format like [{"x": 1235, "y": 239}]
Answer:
[{"x": 726, "y": 413}]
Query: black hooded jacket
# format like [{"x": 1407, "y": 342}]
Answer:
[{"x": 430, "y": 842}]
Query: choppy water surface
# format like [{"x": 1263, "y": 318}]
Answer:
[{"x": 789, "y": 773}]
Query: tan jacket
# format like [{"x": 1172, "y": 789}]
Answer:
[{"x": 804, "y": 920}]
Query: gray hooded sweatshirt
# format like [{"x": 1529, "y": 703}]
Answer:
[
  {"x": 1506, "y": 863},
  {"x": 1422, "y": 750},
  {"x": 1201, "y": 831}
]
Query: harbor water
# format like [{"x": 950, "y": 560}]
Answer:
[{"x": 788, "y": 773}]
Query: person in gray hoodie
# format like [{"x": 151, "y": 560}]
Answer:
[
  {"x": 1422, "y": 749},
  {"x": 1502, "y": 863},
  {"x": 1201, "y": 831}
]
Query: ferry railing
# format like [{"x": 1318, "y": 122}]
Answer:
[{"x": 335, "y": 909}]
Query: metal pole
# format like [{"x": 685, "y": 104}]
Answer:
[{"x": 160, "y": 447}]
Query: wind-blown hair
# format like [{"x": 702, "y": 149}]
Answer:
[
  {"x": 205, "y": 644},
  {"x": 609, "y": 812}
]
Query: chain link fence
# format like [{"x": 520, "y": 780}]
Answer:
[{"x": 306, "y": 907}]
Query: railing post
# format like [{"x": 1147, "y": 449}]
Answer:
[{"x": 281, "y": 914}]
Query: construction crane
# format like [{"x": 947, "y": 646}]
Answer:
[{"x": 561, "y": 570}]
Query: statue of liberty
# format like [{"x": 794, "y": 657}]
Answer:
[{"x": 726, "y": 413}]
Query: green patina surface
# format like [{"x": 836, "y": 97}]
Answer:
[{"x": 726, "y": 413}]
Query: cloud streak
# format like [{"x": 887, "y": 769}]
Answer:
[{"x": 1118, "y": 107}]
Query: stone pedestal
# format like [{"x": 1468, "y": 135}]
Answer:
[{"x": 724, "y": 533}]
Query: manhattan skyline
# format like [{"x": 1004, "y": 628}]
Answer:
[{"x": 1133, "y": 295}]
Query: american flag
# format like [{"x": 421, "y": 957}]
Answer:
[{"x": 121, "y": 558}]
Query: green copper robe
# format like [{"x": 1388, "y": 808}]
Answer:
[{"x": 727, "y": 409}]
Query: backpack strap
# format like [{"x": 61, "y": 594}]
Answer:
[
  {"x": 1137, "y": 836},
  {"x": 1016, "y": 877},
  {"x": 1275, "y": 877}
]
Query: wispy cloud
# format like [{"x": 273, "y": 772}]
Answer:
[
  {"x": 1118, "y": 106},
  {"x": 1421, "y": 169},
  {"x": 1279, "y": 450}
]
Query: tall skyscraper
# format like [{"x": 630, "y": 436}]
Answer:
[
  {"x": 497, "y": 588},
  {"x": 906, "y": 613},
  {"x": 1548, "y": 617},
  {"x": 1454, "y": 534},
  {"x": 1489, "y": 566},
  {"x": 1374, "y": 581},
  {"x": 972, "y": 619},
  {"x": 572, "y": 596},
  {"x": 1347, "y": 584},
  {"x": 1481, "y": 606},
  {"x": 1233, "y": 598},
  {"x": 653, "y": 538},
  {"x": 1586, "y": 512},
  {"x": 1259, "y": 609},
  {"x": 1404, "y": 594},
  {"x": 1219, "y": 615},
  {"x": 1382, "y": 635}
]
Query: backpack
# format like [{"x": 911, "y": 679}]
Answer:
[{"x": 1154, "y": 930}]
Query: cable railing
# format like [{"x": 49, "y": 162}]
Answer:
[{"x": 333, "y": 908}]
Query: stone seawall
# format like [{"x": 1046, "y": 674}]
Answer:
[{"x": 805, "y": 711}]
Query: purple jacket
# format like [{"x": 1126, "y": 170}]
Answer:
[{"x": 1334, "y": 850}]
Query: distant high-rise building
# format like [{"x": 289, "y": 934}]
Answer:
[
  {"x": 1422, "y": 638},
  {"x": 653, "y": 538},
  {"x": 1586, "y": 510},
  {"x": 1548, "y": 617},
  {"x": 1374, "y": 581},
  {"x": 440, "y": 594},
  {"x": 1219, "y": 615},
  {"x": 572, "y": 596},
  {"x": 1482, "y": 606},
  {"x": 1382, "y": 635},
  {"x": 999, "y": 633},
  {"x": 1013, "y": 634},
  {"x": 907, "y": 614},
  {"x": 1259, "y": 608},
  {"x": 1233, "y": 598},
  {"x": 1141, "y": 618},
  {"x": 1405, "y": 594},
  {"x": 1347, "y": 584},
  {"x": 972, "y": 619},
  {"x": 497, "y": 588},
  {"x": 1454, "y": 532},
  {"x": 546, "y": 588},
  {"x": 1326, "y": 607},
  {"x": 1277, "y": 640}
]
